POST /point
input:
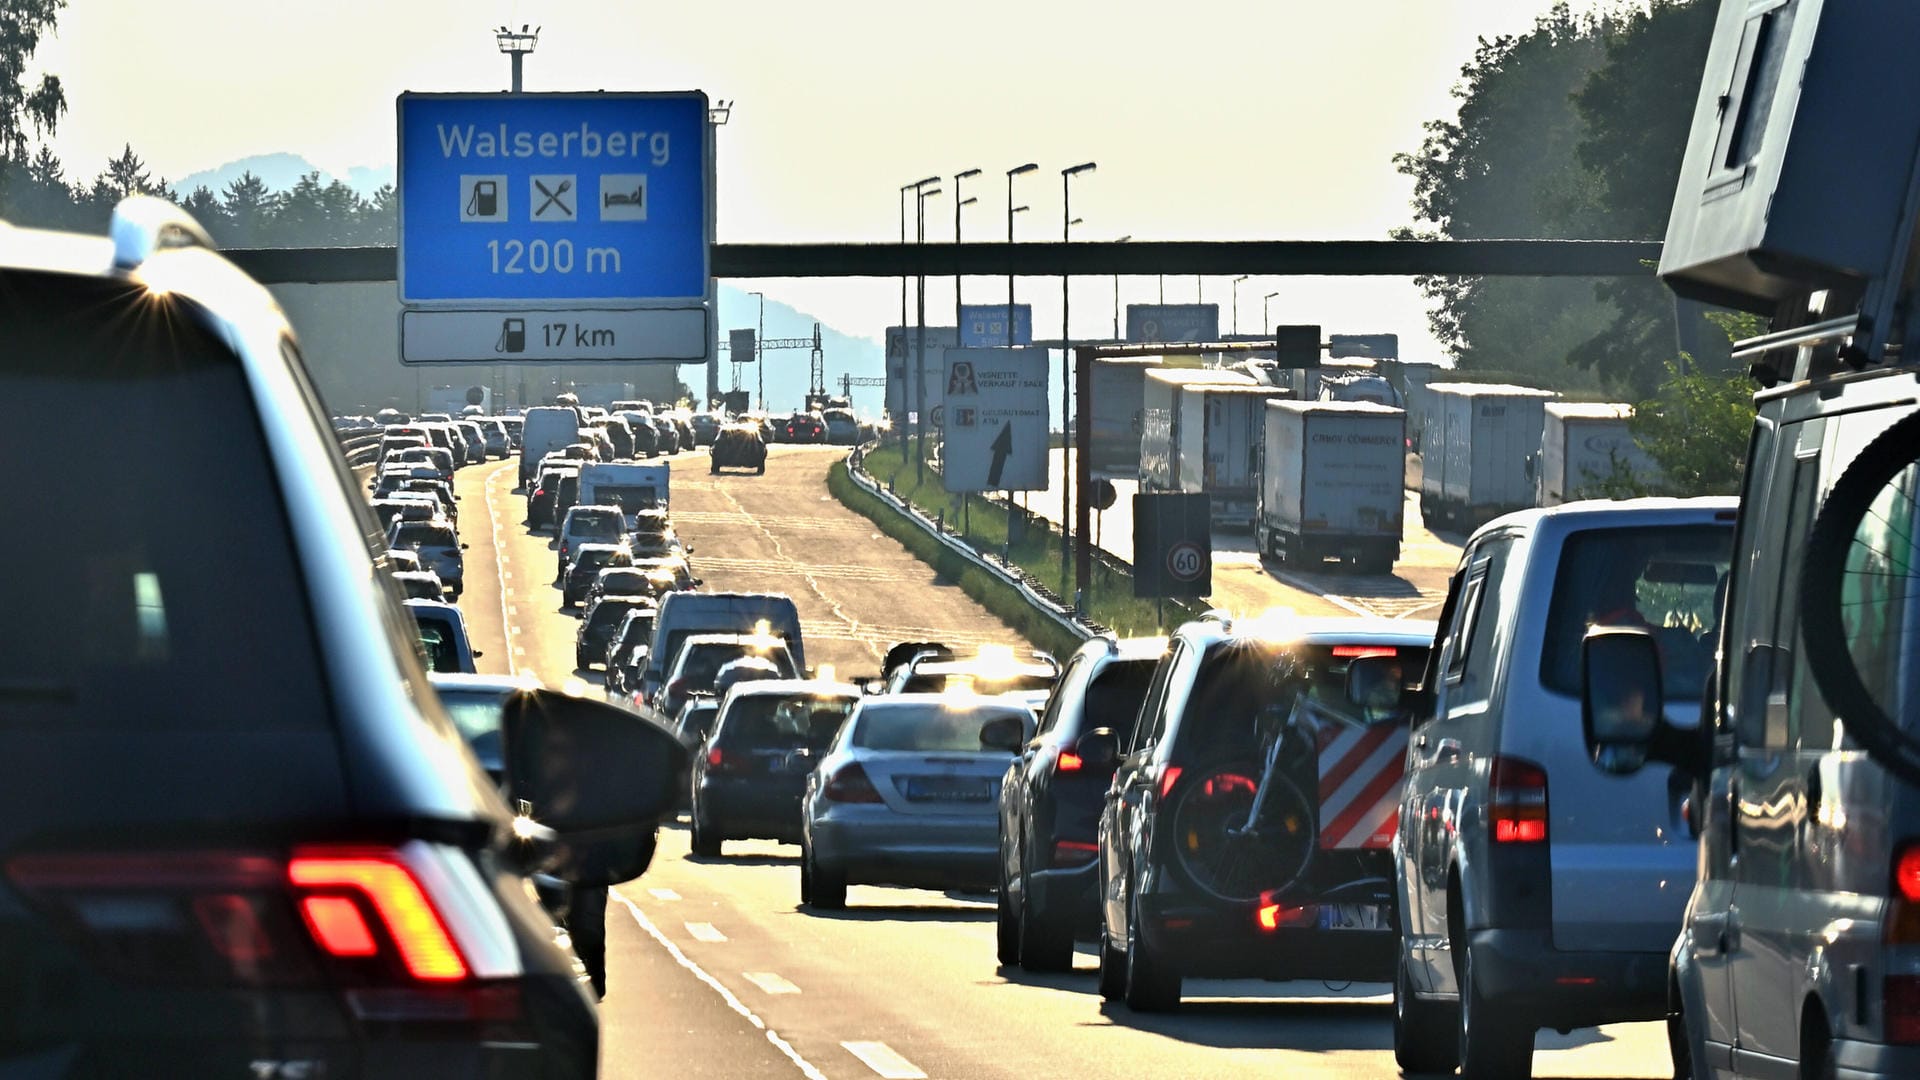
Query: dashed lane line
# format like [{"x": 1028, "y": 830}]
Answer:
[
  {"x": 664, "y": 894},
  {"x": 884, "y": 1060},
  {"x": 704, "y": 931},
  {"x": 770, "y": 982},
  {"x": 806, "y": 1067}
]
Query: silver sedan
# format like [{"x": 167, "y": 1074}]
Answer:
[{"x": 907, "y": 795}]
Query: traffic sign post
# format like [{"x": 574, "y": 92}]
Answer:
[
  {"x": 575, "y": 226},
  {"x": 994, "y": 406}
]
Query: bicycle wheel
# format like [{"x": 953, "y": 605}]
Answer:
[
  {"x": 1218, "y": 856},
  {"x": 1860, "y": 599}
]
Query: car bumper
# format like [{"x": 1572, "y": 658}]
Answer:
[
  {"x": 1856, "y": 1060},
  {"x": 1208, "y": 941},
  {"x": 1559, "y": 988},
  {"x": 928, "y": 851},
  {"x": 750, "y": 809}
]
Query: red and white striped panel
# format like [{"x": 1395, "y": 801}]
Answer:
[{"x": 1362, "y": 771}]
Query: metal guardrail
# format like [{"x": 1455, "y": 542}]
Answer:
[
  {"x": 1037, "y": 595},
  {"x": 360, "y": 445}
]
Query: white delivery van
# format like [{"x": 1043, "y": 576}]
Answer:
[{"x": 545, "y": 429}]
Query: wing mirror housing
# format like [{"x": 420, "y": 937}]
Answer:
[
  {"x": 1377, "y": 683},
  {"x": 596, "y": 775},
  {"x": 1099, "y": 749},
  {"x": 1003, "y": 733},
  {"x": 1622, "y": 703}
]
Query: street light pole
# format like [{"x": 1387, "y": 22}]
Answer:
[
  {"x": 1236, "y": 302},
  {"x": 516, "y": 46},
  {"x": 760, "y": 350},
  {"x": 900, "y": 420},
  {"x": 1020, "y": 170},
  {"x": 958, "y": 205},
  {"x": 1116, "y": 294},
  {"x": 1066, "y": 372},
  {"x": 922, "y": 192},
  {"x": 1266, "y": 326}
]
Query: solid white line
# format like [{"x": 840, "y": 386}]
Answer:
[
  {"x": 664, "y": 894},
  {"x": 500, "y": 565},
  {"x": 770, "y": 982},
  {"x": 885, "y": 1060},
  {"x": 704, "y": 931},
  {"x": 806, "y": 1067}
]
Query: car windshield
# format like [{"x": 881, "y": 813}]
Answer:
[
  {"x": 930, "y": 727},
  {"x": 475, "y": 714}
]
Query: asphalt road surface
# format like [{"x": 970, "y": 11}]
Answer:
[{"x": 715, "y": 969}]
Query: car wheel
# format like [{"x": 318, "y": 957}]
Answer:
[
  {"x": 827, "y": 888},
  {"x": 1423, "y": 1031},
  {"x": 1152, "y": 986},
  {"x": 762, "y": 470},
  {"x": 1044, "y": 944},
  {"x": 705, "y": 843},
  {"x": 1113, "y": 967},
  {"x": 806, "y": 874},
  {"x": 1493, "y": 1043},
  {"x": 714, "y": 470},
  {"x": 1006, "y": 924}
]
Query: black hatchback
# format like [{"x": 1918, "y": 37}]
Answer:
[
  {"x": 751, "y": 770},
  {"x": 238, "y": 834},
  {"x": 1050, "y": 802}
]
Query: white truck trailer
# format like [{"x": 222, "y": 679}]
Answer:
[
  {"x": 629, "y": 486},
  {"x": 1160, "y": 420},
  {"x": 1115, "y": 401},
  {"x": 1331, "y": 484},
  {"x": 1220, "y": 447},
  {"x": 1579, "y": 445},
  {"x": 1474, "y": 458}
]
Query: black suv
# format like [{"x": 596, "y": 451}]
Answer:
[
  {"x": 739, "y": 446},
  {"x": 1247, "y": 830},
  {"x": 315, "y": 878},
  {"x": 1050, "y": 802}
]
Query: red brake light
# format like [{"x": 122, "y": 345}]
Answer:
[
  {"x": 1074, "y": 852},
  {"x": 1518, "y": 801},
  {"x": 1168, "y": 777},
  {"x": 1901, "y": 1003},
  {"x": 1906, "y": 873},
  {"x": 850, "y": 785},
  {"x": 716, "y": 758},
  {"x": 1357, "y": 651},
  {"x": 338, "y": 926},
  {"x": 1070, "y": 762},
  {"x": 397, "y": 899}
]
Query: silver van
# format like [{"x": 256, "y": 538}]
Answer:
[
  {"x": 1534, "y": 891},
  {"x": 685, "y": 613}
]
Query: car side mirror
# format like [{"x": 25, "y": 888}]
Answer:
[
  {"x": 1376, "y": 682},
  {"x": 1003, "y": 733},
  {"x": 1099, "y": 749},
  {"x": 466, "y": 547},
  {"x": 1621, "y": 698},
  {"x": 599, "y": 776},
  {"x": 477, "y": 654}
]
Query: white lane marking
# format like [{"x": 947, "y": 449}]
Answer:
[
  {"x": 885, "y": 1060},
  {"x": 704, "y": 931},
  {"x": 769, "y": 982},
  {"x": 512, "y": 610},
  {"x": 806, "y": 1067},
  {"x": 1331, "y": 598},
  {"x": 664, "y": 894},
  {"x": 500, "y": 565}
]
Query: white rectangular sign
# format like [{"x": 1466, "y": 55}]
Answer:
[
  {"x": 903, "y": 395},
  {"x": 437, "y": 336},
  {"x": 995, "y": 401}
]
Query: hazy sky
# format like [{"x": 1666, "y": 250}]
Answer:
[{"x": 1210, "y": 119}]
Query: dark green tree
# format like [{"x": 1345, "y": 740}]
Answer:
[
  {"x": 247, "y": 211},
  {"x": 27, "y": 108}
]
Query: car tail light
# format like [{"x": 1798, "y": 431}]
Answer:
[
  {"x": 1074, "y": 852},
  {"x": 408, "y": 932},
  {"x": 1900, "y": 1000},
  {"x": 1069, "y": 761},
  {"x": 718, "y": 761},
  {"x": 1271, "y": 915},
  {"x": 1169, "y": 776},
  {"x": 849, "y": 784},
  {"x": 1518, "y": 801},
  {"x": 1903, "y": 915}
]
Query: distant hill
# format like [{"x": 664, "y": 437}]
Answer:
[
  {"x": 787, "y": 368},
  {"x": 280, "y": 172}
]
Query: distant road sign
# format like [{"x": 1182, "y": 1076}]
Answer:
[
  {"x": 740, "y": 345},
  {"x": 438, "y": 336},
  {"x": 555, "y": 197},
  {"x": 1185, "y": 561},
  {"x": 901, "y": 341},
  {"x": 1173, "y": 322},
  {"x": 1172, "y": 545},
  {"x": 983, "y": 326},
  {"x": 995, "y": 422}
]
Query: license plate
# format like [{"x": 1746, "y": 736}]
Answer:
[
  {"x": 1353, "y": 917},
  {"x": 922, "y": 789}
]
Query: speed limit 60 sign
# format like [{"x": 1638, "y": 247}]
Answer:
[{"x": 1172, "y": 545}]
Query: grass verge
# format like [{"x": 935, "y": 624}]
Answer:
[{"x": 1111, "y": 601}]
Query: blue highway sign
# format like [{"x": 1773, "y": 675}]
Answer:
[
  {"x": 555, "y": 199},
  {"x": 983, "y": 326}
]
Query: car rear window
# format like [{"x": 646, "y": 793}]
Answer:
[
  {"x": 421, "y": 533},
  {"x": 771, "y": 721},
  {"x": 940, "y": 682},
  {"x": 925, "y": 728},
  {"x": 1245, "y": 689},
  {"x": 1113, "y": 701},
  {"x": 597, "y": 523},
  {"x": 119, "y": 618},
  {"x": 1667, "y": 580}
]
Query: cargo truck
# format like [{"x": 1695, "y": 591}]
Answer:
[
  {"x": 1580, "y": 443},
  {"x": 1115, "y": 401},
  {"x": 1479, "y": 439},
  {"x": 1160, "y": 421},
  {"x": 1220, "y": 447},
  {"x": 1330, "y": 484}
]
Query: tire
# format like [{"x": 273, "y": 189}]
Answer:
[
  {"x": 1006, "y": 925},
  {"x": 1823, "y": 604},
  {"x": 1113, "y": 967},
  {"x": 1045, "y": 945},
  {"x": 806, "y": 875},
  {"x": 1151, "y": 984},
  {"x": 705, "y": 842},
  {"x": 1425, "y": 1036},
  {"x": 1493, "y": 1043},
  {"x": 714, "y": 470},
  {"x": 580, "y": 661},
  {"x": 827, "y": 888},
  {"x": 762, "y": 470}
]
